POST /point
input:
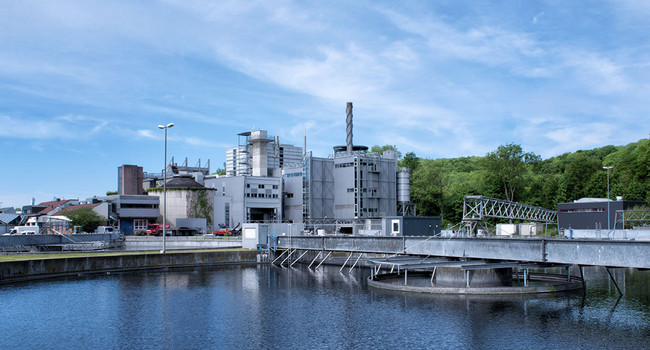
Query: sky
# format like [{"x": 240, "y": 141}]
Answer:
[{"x": 84, "y": 84}]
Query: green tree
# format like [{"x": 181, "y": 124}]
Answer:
[
  {"x": 410, "y": 161},
  {"x": 84, "y": 217},
  {"x": 509, "y": 164},
  {"x": 381, "y": 149}
]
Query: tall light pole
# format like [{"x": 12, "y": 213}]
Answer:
[
  {"x": 165, "y": 187},
  {"x": 607, "y": 168}
]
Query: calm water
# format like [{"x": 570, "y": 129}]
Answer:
[{"x": 270, "y": 307}]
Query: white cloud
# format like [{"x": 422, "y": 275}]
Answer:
[
  {"x": 35, "y": 129},
  {"x": 569, "y": 138},
  {"x": 146, "y": 133}
]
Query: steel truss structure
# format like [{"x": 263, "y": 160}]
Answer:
[
  {"x": 477, "y": 208},
  {"x": 639, "y": 216}
]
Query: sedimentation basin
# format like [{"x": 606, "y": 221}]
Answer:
[{"x": 52, "y": 266}]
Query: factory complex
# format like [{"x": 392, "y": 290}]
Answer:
[{"x": 352, "y": 191}]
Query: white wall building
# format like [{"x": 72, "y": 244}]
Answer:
[{"x": 239, "y": 160}]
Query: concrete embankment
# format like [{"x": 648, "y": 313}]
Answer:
[
  {"x": 24, "y": 270},
  {"x": 192, "y": 242}
]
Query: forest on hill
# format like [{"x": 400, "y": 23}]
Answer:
[{"x": 438, "y": 186}]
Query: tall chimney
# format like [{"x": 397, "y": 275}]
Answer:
[
  {"x": 276, "y": 148},
  {"x": 259, "y": 143},
  {"x": 304, "y": 146},
  {"x": 348, "y": 121}
]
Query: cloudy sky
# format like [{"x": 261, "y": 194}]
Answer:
[{"x": 83, "y": 84}]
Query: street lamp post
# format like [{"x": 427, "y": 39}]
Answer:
[
  {"x": 607, "y": 168},
  {"x": 165, "y": 188}
]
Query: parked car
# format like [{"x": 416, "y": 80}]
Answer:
[
  {"x": 157, "y": 229},
  {"x": 222, "y": 230}
]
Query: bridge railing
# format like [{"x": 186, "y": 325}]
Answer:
[{"x": 635, "y": 254}]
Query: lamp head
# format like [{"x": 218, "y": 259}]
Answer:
[
  {"x": 161, "y": 126},
  {"x": 170, "y": 125}
]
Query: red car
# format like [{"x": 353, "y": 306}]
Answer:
[{"x": 157, "y": 229}]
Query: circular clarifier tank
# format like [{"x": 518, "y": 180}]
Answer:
[{"x": 455, "y": 280}]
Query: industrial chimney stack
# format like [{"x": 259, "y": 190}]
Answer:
[{"x": 349, "y": 126}]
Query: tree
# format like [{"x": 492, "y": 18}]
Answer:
[
  {"x": 84, "y": 217},
  {"x": 509, "y": 164},
  {"x": 381, "y": 149},
  {"x": 410, "y": 161}
]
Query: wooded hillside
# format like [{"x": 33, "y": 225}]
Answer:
[{"x": 439, "y": 185}]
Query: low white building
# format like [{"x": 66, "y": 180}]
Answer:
[{"x": 186, "y": 198}]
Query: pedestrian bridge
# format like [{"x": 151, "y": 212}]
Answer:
[{"x": 608, "y": 253}]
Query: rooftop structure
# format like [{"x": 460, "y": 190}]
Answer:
[{"x": 267, "y": 153}]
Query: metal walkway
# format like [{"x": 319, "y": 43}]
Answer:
[{"x": 633, "y": 254}]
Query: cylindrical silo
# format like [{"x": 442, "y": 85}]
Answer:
[{"x": 403, "y": 186}]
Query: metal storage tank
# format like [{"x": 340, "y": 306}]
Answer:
[{"x": 404, "y": 186}]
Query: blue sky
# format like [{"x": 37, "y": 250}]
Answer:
[{"x": 83, "y": 84}]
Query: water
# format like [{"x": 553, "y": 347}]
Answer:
[{"x": 271, "y": 308}]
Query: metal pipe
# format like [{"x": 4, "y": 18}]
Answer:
[
  {"x": 279, "y": 256},
  {"x": 164, "y": 247},
  {"x": 288, "y": 256},
  {"x": 322, "y": 261},
  {"x": 608, "y": 226},
  {"x": 348, "y": 121},
  {"x": 525, "y": 277},
  {"x": 295, "y": 261},
  {"x": 316, "y": 257},
  {"x": 614, "y": 280},
  {"x": 346, "y": 262},
  {"x": 355, "y": 263}
]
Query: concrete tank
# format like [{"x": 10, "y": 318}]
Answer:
[{"x": 404, "y": 186}]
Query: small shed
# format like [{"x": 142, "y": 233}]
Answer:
[{"x": 411, "y": 225}]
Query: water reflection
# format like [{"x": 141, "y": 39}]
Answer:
[{"x": 272, "y": 307}]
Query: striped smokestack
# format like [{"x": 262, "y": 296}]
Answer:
[{"x": 348, "y": 121}]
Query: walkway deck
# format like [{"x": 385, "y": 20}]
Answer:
[{"x": 634, "y": 254}]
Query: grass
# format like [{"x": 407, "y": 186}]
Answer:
[{"x": 30, "y": 256}]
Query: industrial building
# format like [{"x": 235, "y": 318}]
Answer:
[
  {"x": 130, "y": 210},
  {"x": 340, "y": 192},
  {"x": 241, "y": 199},
  {"x": 239, "y": 160},
  {"x": 254, "y": 194},
  {"x": 592, "y": 213},
  {"x": 186, "y": 198},
  {"x": 347, "y": 192}
]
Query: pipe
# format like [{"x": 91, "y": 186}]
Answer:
[{"x": 348, "y": 121}]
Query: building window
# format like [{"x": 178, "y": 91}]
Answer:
[
  {"x": 260, "y": 186},
  {"x": 140, "y": 225}
]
